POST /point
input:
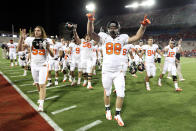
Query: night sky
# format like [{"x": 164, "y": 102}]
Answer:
[{"x": 50, "y": 14}]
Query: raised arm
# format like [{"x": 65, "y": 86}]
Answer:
[
  {"x": 141, "y": 31},
  {"x": 21, "y": 44},
  {"x": 90, "y": 27},
  {"x": 76, "y": 37},
  {"x": 180, "y": 46}
]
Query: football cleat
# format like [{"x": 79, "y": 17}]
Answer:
[
  {"x": 40, "y": 108},
  {"x": 73, "y": 83},
  {"x": 159, "y": 83},
  {"x": 56, "y": 83},
  {"x": 108, "y": 115},
  {"x": 148, "y": 88},
  {"x": 89, "y": 87},
  {"x": 178, "y": 89},
  {"x": 182, "y": 80},
  {"x": 65, "y": 78},
  {"x": 70, "y": 79},
  {"x": 119, "y": 120},
  {"x": 49, "y": 84}
]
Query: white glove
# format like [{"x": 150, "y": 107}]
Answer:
[{"x": 44, "y": 44}]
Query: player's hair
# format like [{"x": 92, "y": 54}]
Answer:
[
  {"x": 150, "y": 37},
  {"x": 43, "y": 33}
]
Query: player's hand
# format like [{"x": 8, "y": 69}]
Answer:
[
  {"x": 23, "y": 33},
  {"x": 180, "y": 41},
  {"x": 146, "y": 21},
  {"x": 91, "y": 16},
  {"x": 74, "y": 27}
]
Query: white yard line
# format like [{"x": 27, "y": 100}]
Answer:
[
  {"x": 26, "y": 85},
  {"x": 43, "y": 114},
  {"x": 52, "y": 97},
  {"x": 46, "y": 88},
  {"x": 15, "y": 70},
  {"x": 17, "y": 76},
  {"x": 64, "y": 109},
  {"x": 21, "y": 80},
  {"x": 86, "y": 127}
]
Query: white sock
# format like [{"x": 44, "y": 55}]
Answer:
[
  {"x": 147, "y": 84},
  {"x": 65, "y": 76},
  {"x": 41, "y": 102},
  {"x": 159, "y": 80},
  {"x": 118, "y": 109},
  {"x": 107, "y": 105},
  {"x": 85, "y": 81},
  {"x": 89, "y": 83},
  {"x": 79, "y": 79},
  {"x": 176, "y": 85},
  {"x": 56, "y": 78}
]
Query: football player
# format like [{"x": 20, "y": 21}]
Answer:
[
  {"x": 54, "y": 62},
  {"x": 150, "y": 50},
  {"x": 86, "y": 50},
  {"x": 64, "y": 52},
  {"x": 12, "y": 52},
  {"x": 39, "y": 48},
  {"x": 112, "y": 43},
  {"x": 169, "y": 64},
  {"x": 75, "y": 62}
]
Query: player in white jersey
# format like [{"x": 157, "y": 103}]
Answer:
[
  {"x": 94, "y": 58},
  {"x": 12, "y": 52},
  {"x": 64, "y": 52},
  {"x": 169, "y": 64},
  {"x": 150, "y": 50},
  {"x": 54, "y": 62},
  {"x": 23, "y": 60},
  {"x": 158, "y": 60},
  {"x": 100, "y": 56},
  {"x": 75, "y": 62},
  {"x": 39, "y": 48},
  {"x": 86, "y": 50},
  {"x": 126, "y": 51},
  {"x": 112, "y": 66}
]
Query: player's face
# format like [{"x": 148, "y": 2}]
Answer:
[
  {"x": 113, "y": 30},
  {"x": 171, "y": 45},
  {"x": 37, "y": 32},
  {"x": 53, "y": 41},
  {"x": 150, "y": 41},
  {"x": 87, "y": 38},
  {"x": 141, "y": 43},
  {"x": 11, "y": 41}
]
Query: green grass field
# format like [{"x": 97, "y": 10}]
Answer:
[{"x": 161, "y": 109}]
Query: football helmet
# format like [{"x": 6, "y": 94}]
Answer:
[
  {"x": 69, "y": 26},
  {"x": 38, "y": 43},
  {"x": 113, "y": 24},
  {"x": 140, "y": 67},
  {"x": 132, "y": 69}
]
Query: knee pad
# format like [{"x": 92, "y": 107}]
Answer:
[
  {"x": 120, "y": 93},
  {"x": 107, "y": 92},
  {"x": 174, "y": 78}
]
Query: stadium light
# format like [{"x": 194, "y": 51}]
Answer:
[
  {"x": 134, "y": 5},
  {"x": 90, "y": 7},
  {"x": 14, "y": 36},
  {"x": 145, "y": 3},
  {"x": 150, "y": 3}
]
